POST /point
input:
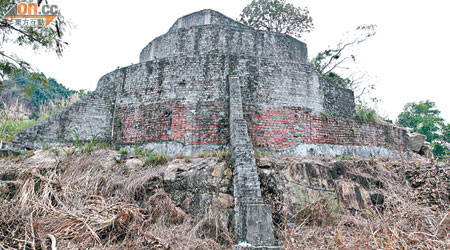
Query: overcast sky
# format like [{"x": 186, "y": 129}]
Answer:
[{"x": 408, "y": 56}]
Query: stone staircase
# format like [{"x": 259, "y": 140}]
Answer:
[{"x": 253, "y": 218}]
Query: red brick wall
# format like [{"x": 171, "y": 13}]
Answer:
[
  {"x": 269, "y": 127},
  {"x": 172, "y": 122},
  {"x": 283, "y": 127}
]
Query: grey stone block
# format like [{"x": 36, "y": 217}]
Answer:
[{"x": 416, "y": 141}]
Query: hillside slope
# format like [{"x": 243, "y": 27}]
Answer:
[
  {"x": 99, "y": 199},
  {"x": 31, "y": 95}
]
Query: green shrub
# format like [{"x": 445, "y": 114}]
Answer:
[
  {"x": 10, "y": 128},
  {"x": 137, "y": 150},
  {"x": 223, "y": 155},
  {"x": 140, "y": 153},
  {"x": 440, "y": 151},
  {"x": 93, "y": 142},
  {"x": 366, "y": 114},
  {"x": 123, "y": 151},
  {"x": 156, "y": 159}
]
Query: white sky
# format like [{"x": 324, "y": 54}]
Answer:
[{"x": 408, "y": 56}]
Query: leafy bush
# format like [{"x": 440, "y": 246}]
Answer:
[
  {"x": 366, "y": 114},
  {"x": 223, "y": 155},
  {"x": 440, "y": 151},
  {"x": 123, "y": 151},
  {"x": 156, "y": 159},
  {"x": 10, "y": 128}
]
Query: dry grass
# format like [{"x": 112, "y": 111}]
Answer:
[
  {"x": 411, "y": 217},
  {"x": 90, "y": 202},
  {"x": 406, "y": 226}
]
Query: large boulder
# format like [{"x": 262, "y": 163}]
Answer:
[{"x": 416, "y": 141}]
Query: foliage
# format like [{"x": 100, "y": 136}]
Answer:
[
  {"x": 75, "y": 138},
  {"x": 91, "y": 144},
  {"x": 319, "y": 213},
  {"x": 13, "y": 127},
  {"x": 152, "y": 158},
  {"x": 123, "y": 151},
  {"x": 222, "y": 155},
  {"x": 156, "y": 159},
  {"x": 33, "y": 94},
  {"x": 334, "y": 64},
  {"x": 422, "y": 117},
  {"x": 440, "y": 150},
  {"x": 277, "y": 16},
  {"x": 204, "y": 154},
  {"x": 366, "y": 114},
  {"x": 83, "y": 93},
  {"x": 25, "y": 101},
  {"x": 445, "y": 129},
  {"x": 257, "y": 153},
  {"x": 49, "y": 38}
]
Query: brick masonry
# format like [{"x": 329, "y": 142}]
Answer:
[
  {"x": 177, "y": 100},
  {"x": 278, "y": 128},
  {"x": 211, "y": 83}
]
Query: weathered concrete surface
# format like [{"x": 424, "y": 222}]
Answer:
[
  {"x": 175, "y": 148},
  {"x": 253, "y": 218},
  {"x": 330, "y": 150}
]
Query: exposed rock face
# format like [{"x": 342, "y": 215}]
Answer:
[
  {"x": 176, "y": 99},
  {"x": 293, "y": 183},
  {"x": 416, "y": 141},
  {"x": 200, "y": 186}
]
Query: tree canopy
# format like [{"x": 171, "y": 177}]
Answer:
[
  {"x": 277, "y": 16},
  {"x": 49, "y": 38},
  {"x": 424, "y": 118}
]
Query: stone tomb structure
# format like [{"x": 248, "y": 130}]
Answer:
[
  {"x": 211, "y": 83},
  {"x": 176, "y": 99}
]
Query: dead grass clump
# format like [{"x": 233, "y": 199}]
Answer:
[
  {"x": 404, "y": 228},
  {"x": 204, "y": 155},
  {"x": 320, "y": 213},
  {"x": 188, "y": 159},
  {"x": 89, "y": 201},
  {"x": 14, "y": 226},
  {"x": 414, "y": 214},
  {"x": 163, "y": 211},
  {"x": 211, "y": 229},
  {"x": 98, "y": 223}
]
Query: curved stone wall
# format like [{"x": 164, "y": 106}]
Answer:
[
  {"x": 196, "y": 39},
  {"x": 177, "y": 98}
]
